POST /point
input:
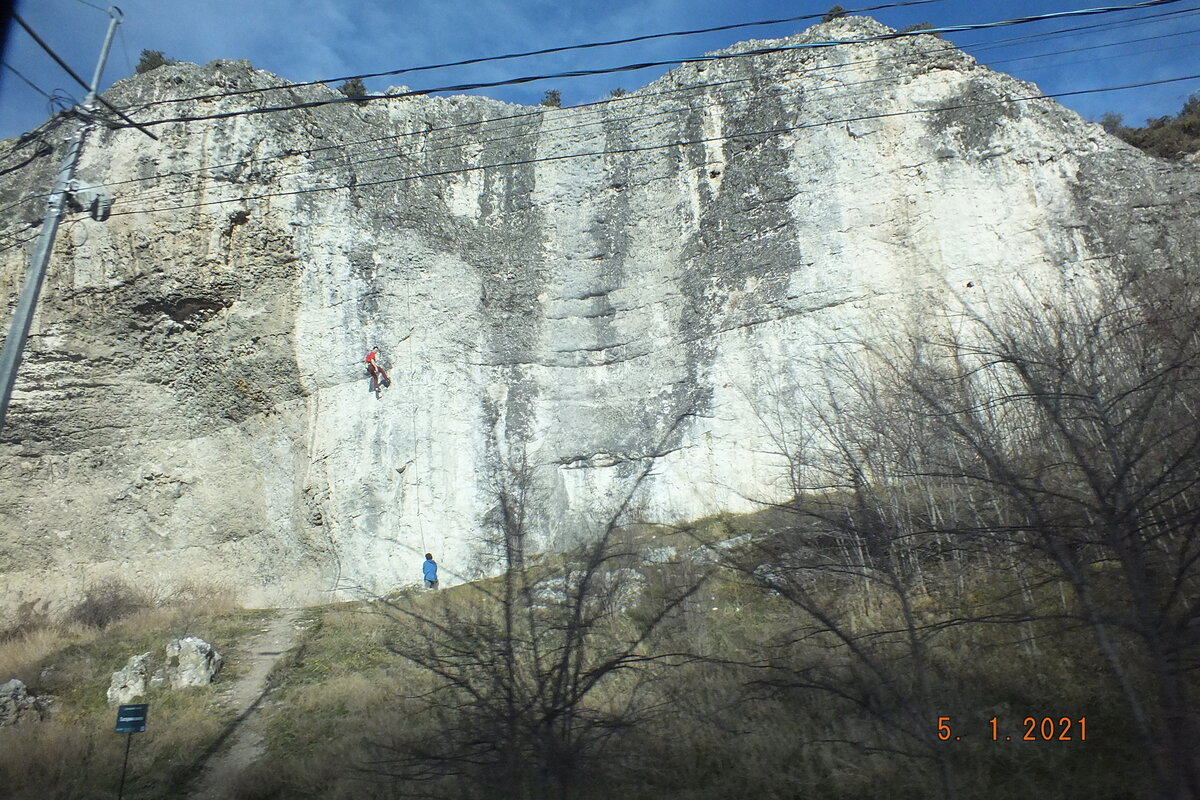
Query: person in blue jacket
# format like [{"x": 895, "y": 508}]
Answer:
[{"x": 429, "y": 568}]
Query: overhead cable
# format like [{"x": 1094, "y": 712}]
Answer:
[
  {"x": 648, "y": 64},
  {"x": 1127, "y": 23},
  {"x": 28, "y": 82},
  {"x": 67, "y": 68},
  {"x": 93, "y": 5},
  {"x": 529, "y": 53},
  {"x": 634, "y": 97},
  {"x": 639, "y": 118},
  {"x": 648, "y": 148},
  {"x": 1102, "y": 46},
  {"x": 37, "y": 135}
]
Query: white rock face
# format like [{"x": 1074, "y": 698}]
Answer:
[{"x": 596, "y": 293}]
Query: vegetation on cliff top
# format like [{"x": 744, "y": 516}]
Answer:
[{"x": 1171, "y": 136}]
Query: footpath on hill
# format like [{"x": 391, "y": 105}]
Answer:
[{"x": 241, "y": 745}]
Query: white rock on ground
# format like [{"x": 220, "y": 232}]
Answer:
[
  {"x": 191, "y": 662},
  {"x": 129, "y": 682},
  {"x": 17, "y": 705}
]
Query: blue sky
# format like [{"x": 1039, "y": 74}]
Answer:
[{"x": 316, "y": 39}]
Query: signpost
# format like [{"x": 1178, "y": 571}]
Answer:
[{"x": 130, "y": 720}]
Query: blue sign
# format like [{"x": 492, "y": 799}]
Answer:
[{"x": 132, "y": 719}]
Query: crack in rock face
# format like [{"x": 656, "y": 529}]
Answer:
[{"x": 623, "y": 297}]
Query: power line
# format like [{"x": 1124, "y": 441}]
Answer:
[
  {"x": 523, "y": 117},
  {"x": 24, "y": 241},
  {"x": 125, "y": 50},
  {"x": 57, "y": 59},
  {"x": 667, "y": 111},
  {"x": 30, "y": 83},
  {"x": 1097, "y": 47},
  {"x": 530, "y": 115},
  {"x": 37, "y": 135},
  {"x": 648, "y": 148},
  {"x": 648, "y": 64},
  {"x": 1143, "y": 20},
  {"x": 57, "y": 100},
  {"x": 66, "y": 67},
  {"x": 449, "y": 143},
  {"x": 5, "y": 248},
  {"x": 526, "y": 54},
  {"x": 92, "y": 5}
]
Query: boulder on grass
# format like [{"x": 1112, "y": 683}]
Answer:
[
  {"x": 129, "y": 682},
  {"x": 191, "y": 662},
  {"x": 17, "y": 705}
]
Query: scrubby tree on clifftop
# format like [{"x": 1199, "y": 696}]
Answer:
[
  {"x": 355, "y": 89},
  {"x": 834, "y": 13},
  {"x": 151, "y": 59},
  {"x": 1168, "y": 137}
]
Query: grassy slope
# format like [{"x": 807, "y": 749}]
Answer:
[
  {"x": 719, "y": 730},
  {"x": 76, "y": 753}
]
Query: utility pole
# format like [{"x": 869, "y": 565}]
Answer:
[{"x": 18, "y": 332}]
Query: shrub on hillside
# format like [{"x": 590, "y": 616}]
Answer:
[
  {"x": 106, "y": 603},
  {"x": 355, "y": 89},
  {"x": 29, "y": 617},
  {"x": 151, "y": 59},
  {"x": 1166, "y": 137},
  {"x": 918, "y": 27},
  {"x": 833, "y": 13}
]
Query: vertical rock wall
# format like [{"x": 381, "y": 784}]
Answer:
[{"x": 626, "y": 288}]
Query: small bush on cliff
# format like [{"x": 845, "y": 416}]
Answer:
[
  {"x": 553, "y": 98},
  {"x": 833, "y": 13},
  {"x": 355, "y": 90},
  {"x": 1167, "y": 137},
  {"x": 918, "y": 27},
  {"x": 151, "y": 59},
  {"x": 106, "y": 603}
]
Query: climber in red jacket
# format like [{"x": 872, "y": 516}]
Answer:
[{"x": 379, "y": 377}]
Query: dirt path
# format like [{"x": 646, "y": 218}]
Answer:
[{"x": 241, "y": 744}]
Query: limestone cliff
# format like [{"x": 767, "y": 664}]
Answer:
[{"x": 628, "y": 285}]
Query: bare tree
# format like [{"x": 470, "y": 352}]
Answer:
[
  {"x": 1047, "y": 444},
  {"x": 1084, "y": 416},
  {"x": 532, "y": 676},
  {"x": 851, "y": 565}
]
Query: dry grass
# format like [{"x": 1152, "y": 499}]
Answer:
[
  {"x": 720, "y": 730},
  {"x": 76, "y": 753},
  {"x": 713, "y": 729},
  {"x": 22, "y": 656}
]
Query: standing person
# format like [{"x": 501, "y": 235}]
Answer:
[
  {"x": 429, "y": 568},
  {"x": 379, "y": 377}
]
